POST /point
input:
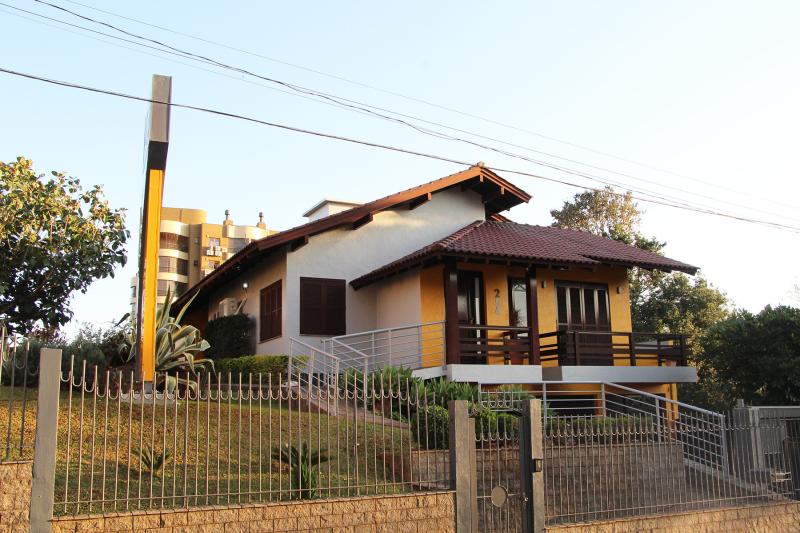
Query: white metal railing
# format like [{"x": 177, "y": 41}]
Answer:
[
  {"x": 413, "y": 347},
  {"x": 312, "y": 366}
]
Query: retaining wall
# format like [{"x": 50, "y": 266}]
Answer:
[
  {"x": 409, "y": 513},
  {"x": 15, "y": 496}
]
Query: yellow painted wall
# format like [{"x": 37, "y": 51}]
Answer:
[{"x": 495, "y": 278}]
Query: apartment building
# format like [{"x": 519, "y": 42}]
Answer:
[{"x": 190, "y": 247}]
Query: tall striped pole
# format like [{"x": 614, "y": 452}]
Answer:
[{"x": 157, "y": 144}]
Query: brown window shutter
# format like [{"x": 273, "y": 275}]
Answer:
[
  {"x": 270, "y": 311},
  {"x": 322, "y": 306}
]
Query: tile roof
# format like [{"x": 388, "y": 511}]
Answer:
[
  {"x": 498, "y": 195},
  {"x": 535, "y": 244}
]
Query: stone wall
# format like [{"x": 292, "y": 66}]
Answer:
[
  {"x": 15, "y": 496},
  {"x": 410, "y": 513},
  {"x": 777, "y": 518}
]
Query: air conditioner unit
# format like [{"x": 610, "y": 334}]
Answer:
[{"x": 228, "y": 306}]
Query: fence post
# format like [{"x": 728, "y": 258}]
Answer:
[
  {"x": 44, "y": 458},
  {"x": 532, "y": 465},
  {"x": 462, "y": 466}
]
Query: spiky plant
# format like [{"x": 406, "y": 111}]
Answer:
[
  {"x": 301, "y": 462},
  {"x": 153, "y": 461},
  {"x": 176, "y": 347}
]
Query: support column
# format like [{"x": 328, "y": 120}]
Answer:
[
  {"x": 534, "y": 354},
  {"x": 463, "y": 467},
  {"x": 531, "y": 457},
  {"x": 44, "y": 458},
  {"x": 452, "y": 336}
]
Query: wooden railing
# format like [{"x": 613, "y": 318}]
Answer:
[
  {"x": 606, "y": 348},
  {"x": 478, "y": 343}
]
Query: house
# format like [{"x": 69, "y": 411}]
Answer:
[{"x": 436, "y": 279}]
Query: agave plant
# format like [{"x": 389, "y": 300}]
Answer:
[
  {"x": 301, "y": 463},
  {"x": 176, "y": 347},
  {"x": 153, "y": 461}
]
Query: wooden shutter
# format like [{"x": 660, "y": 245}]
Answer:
[
  {"x": 322, "y": 306},
  {"x": 270, "y": 311}
]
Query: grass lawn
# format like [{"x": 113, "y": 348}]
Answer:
[{"x": 219, "y": 452}]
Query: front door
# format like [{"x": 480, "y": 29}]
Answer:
[{"x": 471, "y": 313}]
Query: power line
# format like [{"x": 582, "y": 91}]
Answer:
[
  {"x": 747, "y": 194},
  {"x": 351, "y": 104},
  {"x": 376, "y": 145}
]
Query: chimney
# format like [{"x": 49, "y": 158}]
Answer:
[
  {"x": 228, "y": 221},
  {"x": 261, "y": 224},
  {"x": 327, "y": 207}
]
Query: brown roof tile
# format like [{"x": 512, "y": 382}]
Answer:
[{"x": 534, "y": 244}]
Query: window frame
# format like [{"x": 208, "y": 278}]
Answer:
[{"x": 581, "y": 287}]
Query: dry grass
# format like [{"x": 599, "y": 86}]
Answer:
[{"x": 219, "y": 452}]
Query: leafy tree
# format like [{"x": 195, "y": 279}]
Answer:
[
  {"x": 659, "y": 301},
  {"x": 751, "y": 356},
  {"x": 55, "y": 238}
]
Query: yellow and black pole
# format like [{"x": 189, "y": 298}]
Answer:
[{"x": 157, "y": 144}]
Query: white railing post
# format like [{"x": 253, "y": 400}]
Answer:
[{"x": 389, "y": 339}]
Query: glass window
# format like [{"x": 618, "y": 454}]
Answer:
[
  {"x": 582, "y": 306},
  {"x": 518, "y": 305}
]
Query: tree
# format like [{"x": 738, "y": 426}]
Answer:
[
  {"x": 55, "y": 238},
  {"x": 659, "y": 301},
  {"x": 754, "y": 357}
]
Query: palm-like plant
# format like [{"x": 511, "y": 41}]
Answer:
[
  {"x": 153, "y": 461},
  {"x": 176, "y": 347},
  {"x": 304, "y": 479}
]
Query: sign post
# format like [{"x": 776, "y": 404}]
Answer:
[{"x": 157, "y": 144}]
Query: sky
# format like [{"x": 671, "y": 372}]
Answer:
[{"x": 696, "y": 101}]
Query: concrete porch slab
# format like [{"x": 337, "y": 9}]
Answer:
[
  {"x": 484, "y": 374},
  {"x": 621, "y": 374}
]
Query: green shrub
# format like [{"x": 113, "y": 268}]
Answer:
[
  {"x": 229, "y": 336},
  {"x": 430, "y": 427},
  {"x": 441, "y": 391},
  {"x": 254, "y": 364}
]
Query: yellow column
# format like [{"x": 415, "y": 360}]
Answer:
[{"x": 151, "y": 229}]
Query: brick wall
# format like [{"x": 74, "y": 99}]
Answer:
[
  {"x": 777, "y": 518},
  {"x": 15, "y": 496},
  {"x": 414, "y": 513}
]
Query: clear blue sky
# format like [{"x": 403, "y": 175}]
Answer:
[{"x": 704, "y": 89}]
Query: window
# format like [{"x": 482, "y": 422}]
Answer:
[
  {"x": 173, "y": 264},
  {"x": 173, "y": 241},
  {"x": 213, "y": 264},
  {"x": 582, "y": 306},
  {"x": 517, "y": 302},
  {"x": 322, "y": 306},
  {"x": 236, "y": 244},
  {"x": 213, "y": 242},
  {"x": 177, "y": 287},
  {"x": 269, "y": 313}
]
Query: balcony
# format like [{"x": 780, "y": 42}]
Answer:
[{"x": 621, "y": 357}]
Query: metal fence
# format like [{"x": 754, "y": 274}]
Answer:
[
  {"x": 18, "y": 378},
  {"x": 614, "y": 452},
  {"x": 241, "y": 439}
]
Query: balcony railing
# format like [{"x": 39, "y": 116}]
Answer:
[
  {"x": 478, "y": 343},
  {"x": 607, "y": 348}
]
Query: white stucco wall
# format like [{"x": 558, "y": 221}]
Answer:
[
  {"x": 261, "y": 275},
  {"x": 397, "y": 301},
  {"x": 347, "y": 254}
]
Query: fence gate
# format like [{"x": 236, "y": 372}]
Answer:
[{"x": 507, "y": 464}]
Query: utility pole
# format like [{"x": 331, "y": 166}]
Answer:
[{"x": 157, "y": 144}]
